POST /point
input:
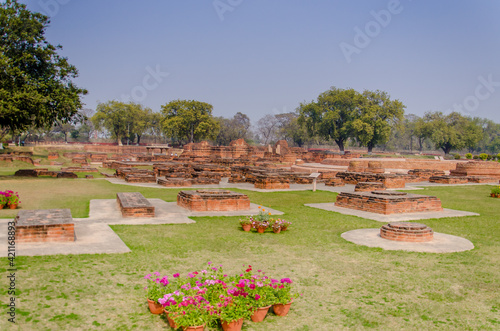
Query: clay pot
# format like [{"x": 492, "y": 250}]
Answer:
[
  {"x": 260, "y": 314},
  {"x": 278, "y": 230},
  {"x": 282, "y": 309},
  {"x": 232, "y": 326},
  {"x": 261, "y": 229},
  {"x": 155, "y": 307},
  {"x": 13, "y": 206},
  {"x": 246, "y": 227},
  {"x": 1, "y": 206},
  {"x": 170, "y": 320},
  {"x": 283, "y": 228},
  {"x": 194, "y": 328}
]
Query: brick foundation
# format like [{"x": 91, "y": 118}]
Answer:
[
  {"x": 174, "y": 182},
  {"x": 448, "y": 180},
  {"x": 50, "y": 225},
  {"x": 334, "y": 182},
  {"x": 407, "y": 231},
  {"x": 388, "y": 180},
  {"x": 368, "y": 187},
  {"x": 133, "y": 204},
  {"x": 387, "y": 202},
  {"x": 213, "y": 200}
]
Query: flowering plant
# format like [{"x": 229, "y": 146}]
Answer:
[
  {"x": 283, "y": 290},
  {"x": 194, "y": 310},
  {"x": 233, "y": 307},
  {"x": 262, "y": 216},
  {"x": 246, "y": 221},
  {"x": 157, "y": 287},
  {"x": 495, "y": 191},
  {"x": 12, "y": 198},
  {"x": 3, "y": 198}
]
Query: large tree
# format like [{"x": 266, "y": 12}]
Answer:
[
  {"x": 375, "y": 118},
  {"x": 233, "y": 128},
  {"x": 452, "y": 131},
  {"x": 36, "y": 88},
  {"x": 332, "y": 115},
  {"x": 189, "y": 120},
  {"x": 121, "y": 119}
]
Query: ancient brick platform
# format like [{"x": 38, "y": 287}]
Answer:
[
  {"x": 213, "y": 200},
  {"x": 387, "y": 202},
  {"x": 174, "y": 182},
  {"x": 53, "y": 156},
  {"x": 425, "y": 174},
  {"x": 389, "y": 180},
  {"x": 271, "y": 182},
  {"x": 334, "y": 182},
  {"x": 49, "y": 225},
  {"x": 448, "y": 180},
  {"x": 134, "y": 178},
  {"x": 407, "y": 231},
  {"x": 481, "y": 179},
  {"x": 133, "y": 204},
  {"x": 368, "y": 187},
  {"x": 477, "y": 168}
]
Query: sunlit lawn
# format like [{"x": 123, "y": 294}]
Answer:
[{"x": 343, "y": 285}]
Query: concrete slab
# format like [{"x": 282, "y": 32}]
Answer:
[
  {"x": 107, "y": 211},
  {"x": 393, "y": 217},
  {"x": 91, "y": 238},
  {"x": 442, "y": 243}
]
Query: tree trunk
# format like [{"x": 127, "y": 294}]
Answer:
[
  {"x": 138, "y": 139},
  {"x": 420, "y": 144},
  {"x": 370, "y": 148},
  {"x": 340, "y": 143},
  {"x": 119, "y": 140}
]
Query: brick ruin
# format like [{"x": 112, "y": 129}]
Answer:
[
  {"x": 133, "y": 204},
  {"x": 407, "y": 232},
  {"x": 388, "y": 202},
  {"x": 50, "y": 225},
  {"x": 388, "y": 180},
  {"x": 213, "y": 200}
]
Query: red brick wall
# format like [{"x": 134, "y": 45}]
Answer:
[{"x": 45, "y": 233}]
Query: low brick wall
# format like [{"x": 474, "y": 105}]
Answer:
[
  {"x": 368, "y": 187},
  {"x": 50, "y": 225},
  {"x": 174, "y": 182},
  {"x": 448, "y": 180},
  {"x": 477, "y": 168},
  {"x": 386, "y": 202},
  {"x": 271, "y": 182},
  {"x": 132, "y": 178},
  {"x": 334, "y": 182},
  {"x": 133, "y": 204},
  {"x": 213, "y": 200},
  {"x": 388, "y": 180},
  {"x": 407, "y": 231}
]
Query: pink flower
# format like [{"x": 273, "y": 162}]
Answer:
[
  {"x": 176, "y": 275},
  {"x": 209, "y": 262},
  {"x": 257, "y": 297}
]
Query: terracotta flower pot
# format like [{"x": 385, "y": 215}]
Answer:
[
  {"x": 232, "y": 326},
  {"x": 1, "y": 206},
  {"x": 246, "y": 227},
  {"x": 13, "y": 206},
  {"x": 261, "y": 229},
  {"x": 194, "y": 328},
  {"x": 278, "y": 230},
  {"x": 170, "y": 319},
  {"x": 260, "y": 314},
  {"x": 283, "y": 228},
  {"x": 282, "y": 309},
  {"x": 155, "y": 307}
]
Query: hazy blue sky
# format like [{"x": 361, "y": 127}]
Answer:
[{"x": 262, "y": 57}]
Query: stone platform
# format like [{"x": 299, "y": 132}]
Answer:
[
  {"x": 388, "y": 202},
  {"x": 46, "y": 225},
  {"x": 407, "y": 232},
  {"x": 213, "y": 200}
]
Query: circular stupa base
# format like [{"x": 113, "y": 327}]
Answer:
[{"x": 407, "y": 231}]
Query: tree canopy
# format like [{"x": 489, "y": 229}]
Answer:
[
  {"x": 122, "y": 119},
  {"x": 36, "y": 88},
  {"x": 189, "y": 120}
]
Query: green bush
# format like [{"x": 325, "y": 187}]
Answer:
[
  {"x": 483, "y": 156},
  {"x": 457, "y": 156},
  {"x": 489, "y": 157},
  {"x": 475, "y": 157},
  {"x": 468, "y": 156},
  {"x": 498, "y": 157}
]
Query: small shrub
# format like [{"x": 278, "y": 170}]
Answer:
[
  {"x": 483, "y": 156},
  {"x": 489, "y": 157},
  {"x": 468, "y": 156},
  {"x": 475, "y": 157},
  {"x": 457, "y": 156}
]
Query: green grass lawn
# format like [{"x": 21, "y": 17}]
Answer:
[{"x": 343, "y": 285}]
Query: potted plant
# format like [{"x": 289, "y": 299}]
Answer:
[
  {"x": 495, "y": 192},
  {"x": 156, "y": 289},
  {"x": 284, "y": 224},
  {"x": 283, "y": 294},
  {"x": 12, "y": 199},
  {"x": 261, "y": 221},
  {"x": 3, "y": 199},
  {"x": 195, "y": 312},
  {"x": 246, "y": 224},
  {"x": 233, "y": 310},
  {"x": 276, "y": 225}
]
